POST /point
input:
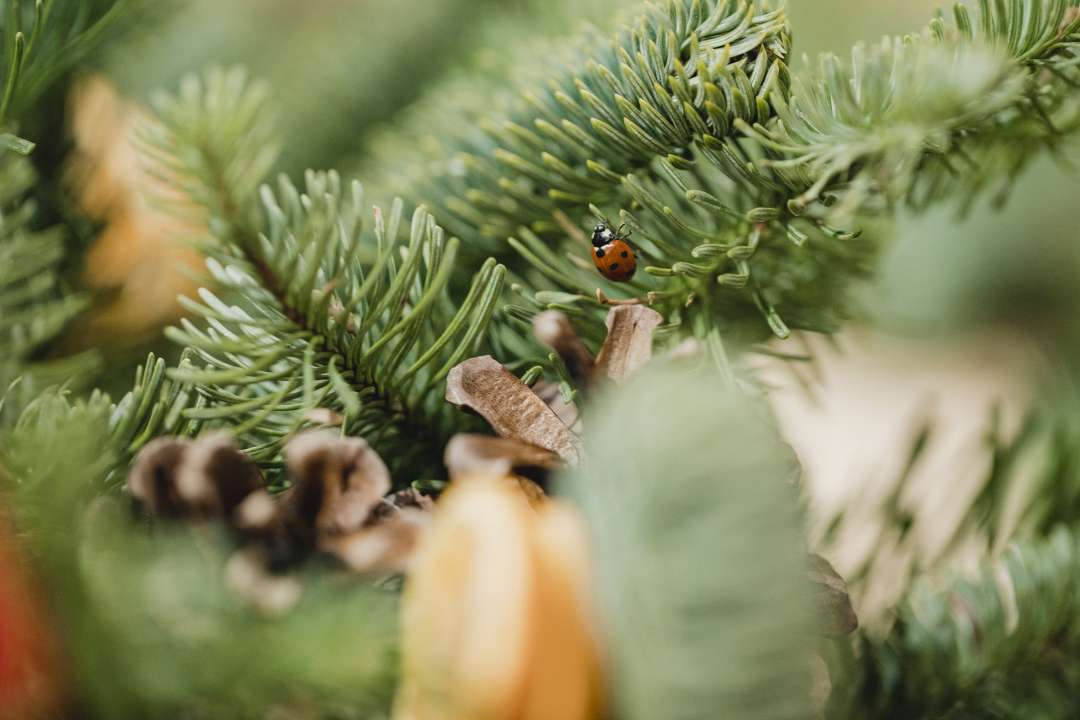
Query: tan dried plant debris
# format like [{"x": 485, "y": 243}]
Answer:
[
  {"x": 510, "y": 406},
  {"x": 628, "y": 346},
  {"x": 337, "y": 481},
  {"x": 140, "y": 254},
  {"x": 626, "y": 349},
  {"x": 205, "y": 478},
  {"x": 468, "y": 454},
  {"x": 555, "y": 330},
  {"x": 518, "y": 463},
  {"x": 337, "y": 505},
  {"x": 339, "y": 502}
]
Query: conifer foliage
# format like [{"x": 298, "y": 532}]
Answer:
[
  {"x": 757, "y": 197},
  {"x": 324, "y": 313}
]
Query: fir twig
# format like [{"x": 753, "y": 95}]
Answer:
[{"x": 326, "y": 314}]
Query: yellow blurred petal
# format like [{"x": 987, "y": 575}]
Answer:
[
  {"x": 466, "y": 607},
  {"x": 497, "y": 620},
  {"x": 564, "y": 681},
  {"x": 138, "y": 255},
  {"x": 106, "y": 164}
]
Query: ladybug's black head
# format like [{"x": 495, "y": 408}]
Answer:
[{"x": 602, "y": 235}]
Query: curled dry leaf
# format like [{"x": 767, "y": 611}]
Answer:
[
  {"x": 387, "y": 545},
  {"x": 511, "y": 408},
  {"x": 178, "y": 478},
  {"x": 262, "y": 524},
  {"x": 468, "y": 454},
  {"x": 214, "y": 477},
  {"x": 837, "y": 616},
  {"x": 628, "y": 345},
  {"x": 337, "y": 505},
  {"x": 555, "y": 330},
  {"x": 394, "y": 503},
  {"x": 152, "y": 478},
  {"x": 521, "y": 464},
  {"x": 256, "y": 513},
  {"x": 410, "y": 498},
  {"x": 337, "y": 482}
]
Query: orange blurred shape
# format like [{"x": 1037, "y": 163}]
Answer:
[
  {"x": 29, "y": 657},
  {"x": 497, "y": 621},
  {"x": 139, "y": 255}
]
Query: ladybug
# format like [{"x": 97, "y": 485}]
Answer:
[{"x": 612, "y": 255}]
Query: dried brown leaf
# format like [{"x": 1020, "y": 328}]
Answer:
[
  {"x": 468, "y": 454},
  {"x": 511, "y": 408},
  {"x": 215, "y": 477},
  {"x": 151, "y": 480},
  {"x": 837, "y": 616},
  {"x": 337, "y": 481},
  {"x": 178, "y": 478},
  {"x": 386, "y": 546},
  {"x": 395, "y": 503},
  {"x": 628, "y": 345},
  {"x": 257, "y": 513},
  {"x": 554, "y": 329}
]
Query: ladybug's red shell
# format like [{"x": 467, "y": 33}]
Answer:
[{"x": 615, "y": 260}]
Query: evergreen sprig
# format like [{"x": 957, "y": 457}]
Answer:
[
  {"x": 684, "y": 71},
  {"x": 994, "y": 646},
  {"x": 642, "y": 130},
  {"x": 732, "y": 175},
  {"x": 39, "y": 42},
  {"x": 318, "y": 311},
  {"x": 938, "y": 115},
  {"x": 33, "y": 307}
]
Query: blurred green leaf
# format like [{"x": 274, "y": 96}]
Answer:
[{"x": 689, "y": 494}]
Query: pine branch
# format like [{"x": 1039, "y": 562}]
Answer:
[
  {"x": 325, "y": 313},
  {"x": 648, "y": 122},
  {"x": 682, "y": 71},
  {"x": 995, "y": 646},
  {"x": 939, "y": 115},
  {"x": 699, "y": 153},
  {"x": 1031, "y": 487},
  {"x": 33, "y": 308},
  {"x": 39, "y": 42}
]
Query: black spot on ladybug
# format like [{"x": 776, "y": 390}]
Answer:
[
  {"x": 614, "y": 266},
  {"x": 599, "y": 253},
  {"x": 625, "y": 254}
]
